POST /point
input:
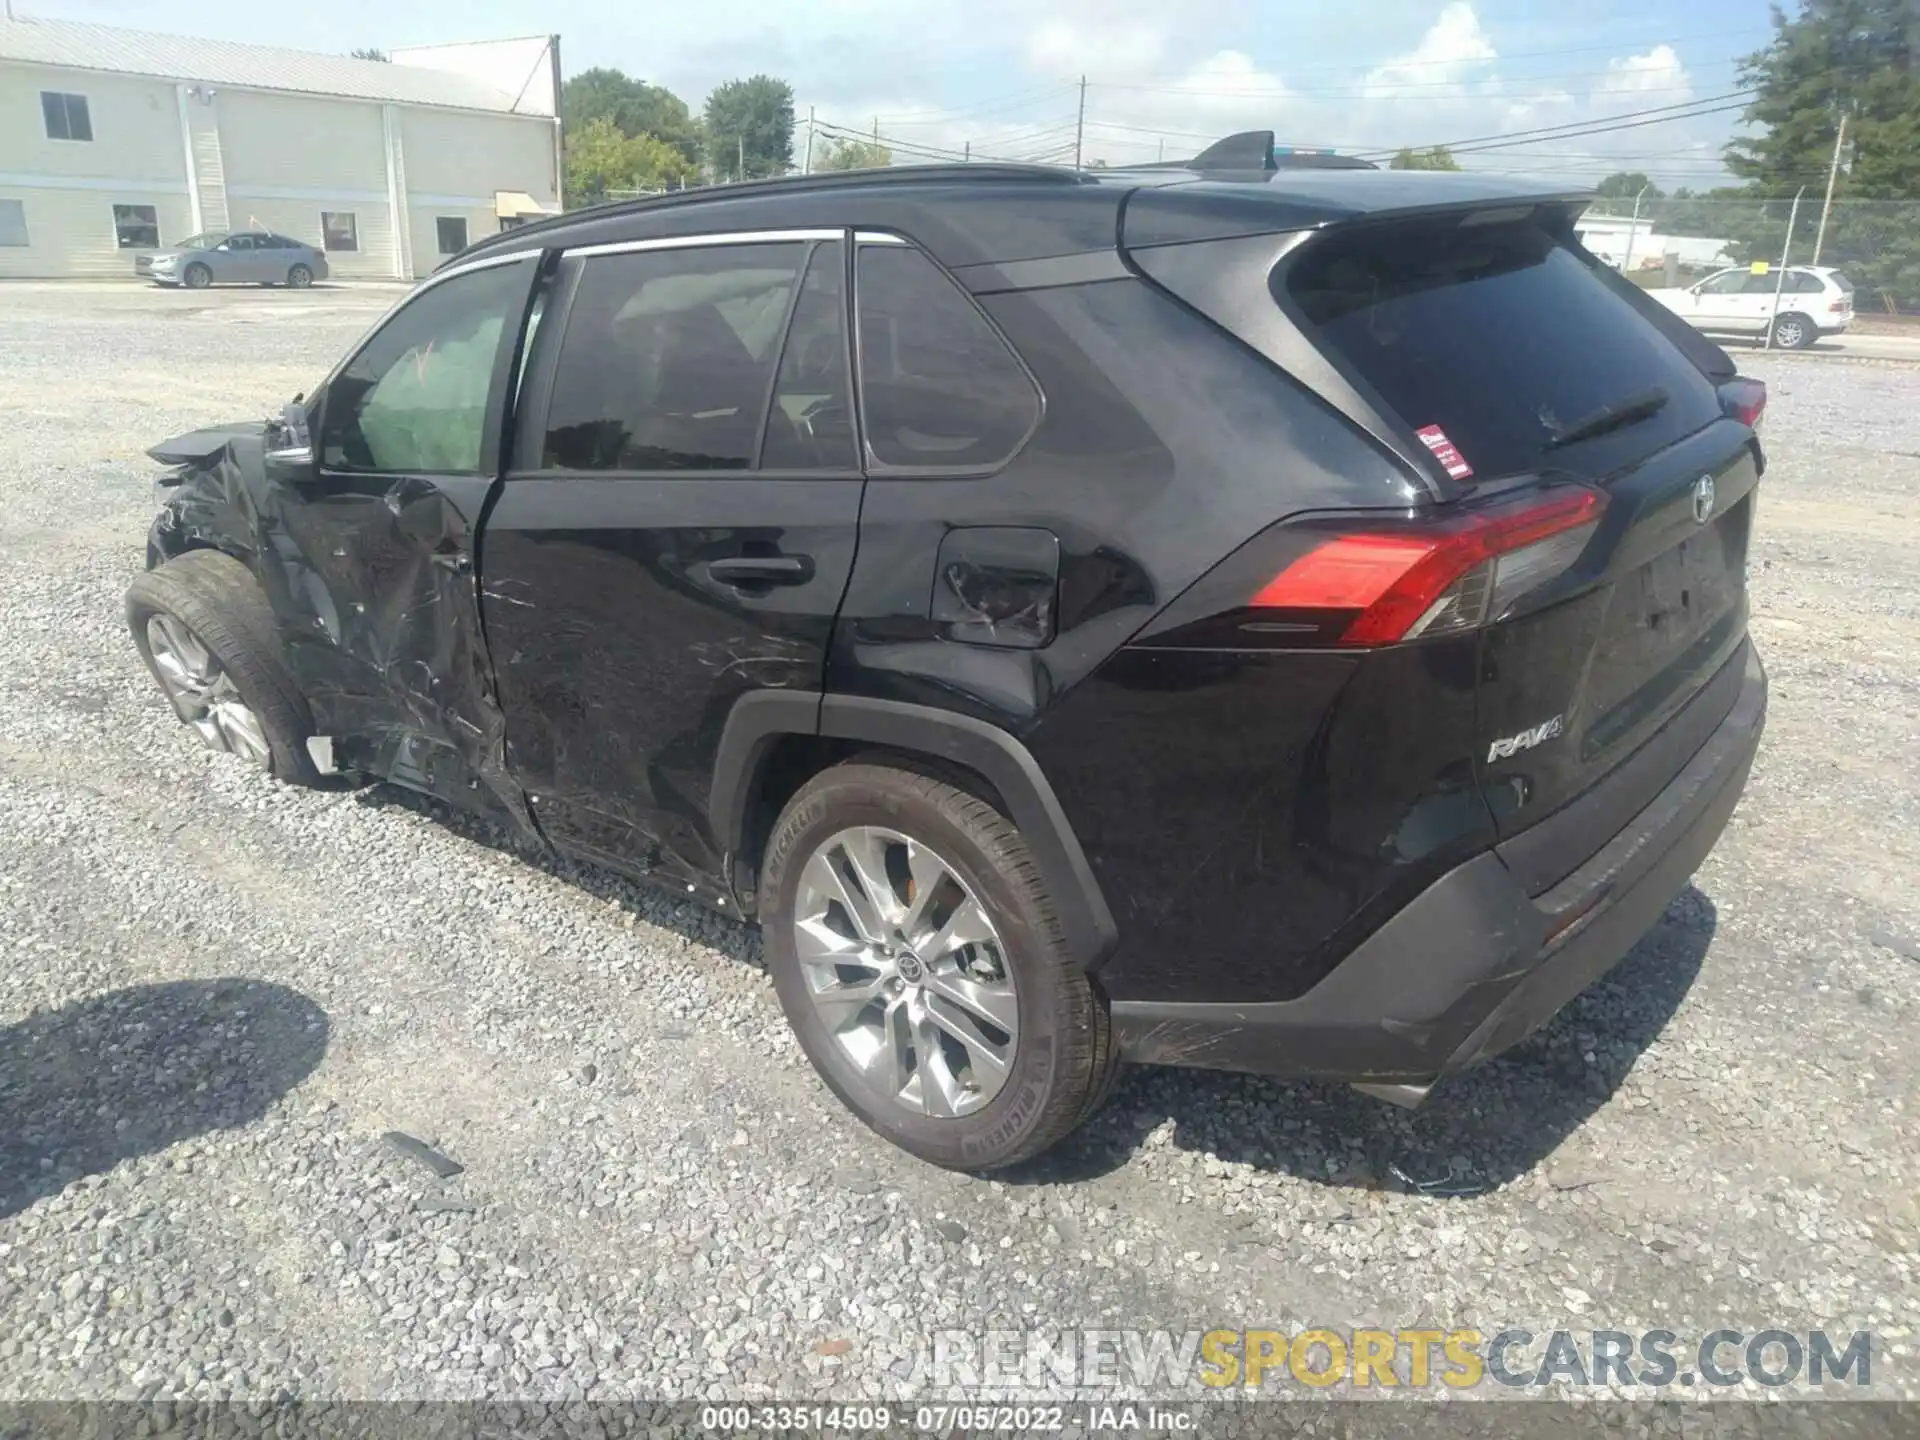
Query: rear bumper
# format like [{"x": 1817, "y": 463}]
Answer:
[{"x": 1475, "y": 963}]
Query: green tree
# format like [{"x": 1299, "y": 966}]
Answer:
[
  {"x": 750, "y": 128},
  {"x": 1625, "y": 184},
  {"x": 370, "y": 54},
  {"x": 1854, "y": 58},
  {"x": 851, "y": 155},
  {"x": 1437, "y": 158},
  {"x": 635, "y": 108},
  {"x": 601, "y": 161}
]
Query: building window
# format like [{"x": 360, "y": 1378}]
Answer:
[
  {"x": 453, "y": 233},
  {"x": 137, "y": 227},
  {"x": 13, "y": 222},
  {"x": 339, "y": 230},
  {"x": 66, "y": 116}
]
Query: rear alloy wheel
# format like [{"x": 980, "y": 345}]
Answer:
[
  {"x": 917, "y": 956},
  {"x": 207, "y": 633},
  {"x": 906, "y": 971},
  {"x": 299, "y": 277},
  {"x": 1794, "y": 332},
  {"x": 198, "y": 277}
]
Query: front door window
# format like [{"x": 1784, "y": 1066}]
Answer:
[{"x": 414, "y": 400}]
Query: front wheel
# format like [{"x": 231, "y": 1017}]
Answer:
[
  {"x": 1794, "y": 332},
  {"x": 918, "y": 957},
  {"x": 206, "y": 630},
  {"x": 198, "y": 277},
  {"x": 299, "y": 277}
]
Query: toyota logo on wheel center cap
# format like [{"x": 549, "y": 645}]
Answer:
[{"x": 910, "y": 968}]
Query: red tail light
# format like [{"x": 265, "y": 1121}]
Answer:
[
  {"x": 1837, "y": 306},
  {"x": 1745, "y": 400},
  {"x": 1448, "y": 574}
]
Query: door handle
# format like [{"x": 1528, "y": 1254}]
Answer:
[{"x": 741, "y": 570}]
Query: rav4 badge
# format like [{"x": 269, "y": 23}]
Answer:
[{"x": 1525, "y": 740}]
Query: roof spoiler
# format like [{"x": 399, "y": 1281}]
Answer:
[{"x": 1253, "y": 151}]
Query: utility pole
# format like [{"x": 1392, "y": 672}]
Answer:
[
  {"x": 740, "y": 149},
  {"x": 1080, "y": 125},
  {"x": 1633, "y": 229},
  {"x": 1786, "y": 248},
  {"x": 966, "y": 152},
  {"x": 1833, "y": 174},
  {"x": 806, "y": 165},
  {"x": 1161, "y": 152}
]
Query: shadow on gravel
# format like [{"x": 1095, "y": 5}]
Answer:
[
  {"x": 656, "y": 904},
  {"x": 1478, "y": 1130},
  {"x": 134, "y": 1071}
]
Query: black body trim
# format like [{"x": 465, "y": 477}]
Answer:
[
  {"x": 1474, "y": 964},
  {"x": 1022, "y": 787},
  {"x": 760, "y": 719}
]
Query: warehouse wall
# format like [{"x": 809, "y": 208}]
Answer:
[
  {"x": 461, "y": 153},
  {"x": 280, "y": 160},
  {"x": 290, "y": 157},
  {"x": 66, "y": 189}
]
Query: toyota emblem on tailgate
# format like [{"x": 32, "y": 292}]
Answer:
[{"x": 1702, "y": 499}]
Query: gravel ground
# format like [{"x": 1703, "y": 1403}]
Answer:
[{"x": 219, "y": 994}]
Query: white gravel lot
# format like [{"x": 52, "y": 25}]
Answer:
[{"x": 217, "y": 994}]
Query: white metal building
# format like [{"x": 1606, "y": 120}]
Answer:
[{"x": 116, "y": 141}]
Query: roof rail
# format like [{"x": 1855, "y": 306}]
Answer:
[{"x": 784, "y": 185}]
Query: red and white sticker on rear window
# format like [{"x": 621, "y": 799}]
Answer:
[{"x": 1450, "y": 458}]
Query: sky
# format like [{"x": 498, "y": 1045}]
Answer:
[{"x": 1000, "y": 78}]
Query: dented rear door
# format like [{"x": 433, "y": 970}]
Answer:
[{"x": 384, "y": 627}]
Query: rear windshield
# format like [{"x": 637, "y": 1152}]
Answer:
[
  {"x": 1846, "y": 285},
  {"x": 1500, "y": 338}
]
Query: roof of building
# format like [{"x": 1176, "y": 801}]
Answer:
[{"x": 222, "y": 62}]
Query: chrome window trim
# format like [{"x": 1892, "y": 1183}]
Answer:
[{"x": 690, "y": 242}]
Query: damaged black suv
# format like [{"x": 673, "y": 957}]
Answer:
[{"x": 1267, "y": 618}]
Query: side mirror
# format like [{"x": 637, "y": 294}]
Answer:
[{"x": 290, "y": 455}]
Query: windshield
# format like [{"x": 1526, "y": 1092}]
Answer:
[
  {"x": 198, "y": 242},
  {"x": 1497, "y": 342}
]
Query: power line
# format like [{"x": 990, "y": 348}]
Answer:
[
  {"x": 1593, "y": 130},
  {"x": 1408, "y": 64},
  {"x": 985, "y": 107},
  {"x": 1573, "y": 127},
  {"x": 1399, "y": 89}
]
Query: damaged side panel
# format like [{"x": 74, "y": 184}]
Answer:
[
  {"x": 371, "y": 569},
  {"x": 373, "y": 588}
]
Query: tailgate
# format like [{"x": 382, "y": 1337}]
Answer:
[
  {"x": 1654, "y": 609},
  {"x": 1495, "y": 341}
]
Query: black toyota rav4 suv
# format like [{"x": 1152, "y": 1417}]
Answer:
[{"x": 1272, "y": 619}]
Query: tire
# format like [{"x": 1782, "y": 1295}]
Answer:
[
  {"x": 222, "y": 607},
  {"x": 1063, "y": 1059},
  {"x": 1794, "y": 332},
  {"x": 197, "y": 277},
  {"x": 299, "y": 277}
]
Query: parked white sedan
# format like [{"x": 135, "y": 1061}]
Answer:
[{"x": 1813, "y": 301}]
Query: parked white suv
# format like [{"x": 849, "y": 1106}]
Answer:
[{"x": 1813, "y": 301}]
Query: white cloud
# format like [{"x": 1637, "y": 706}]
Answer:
[
  {"x": 1455, "y": 48},
  {"x": 1156, "y": 94},
  {"x": 1658, "y": 72}
]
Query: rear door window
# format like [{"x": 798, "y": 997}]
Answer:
[
  {"x": 939, "y": 389},
  {"x": 1500, "y": 336},
  {"x": 669, "y": 356}
]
